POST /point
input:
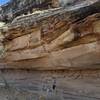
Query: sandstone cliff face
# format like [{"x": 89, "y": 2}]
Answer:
[
  {"x": 52, "y": 54},
  {"x": 16, "y": 8},
  {"x": 57, "y": 38}
]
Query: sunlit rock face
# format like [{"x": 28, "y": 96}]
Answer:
[{"x": 2, "y": 26}]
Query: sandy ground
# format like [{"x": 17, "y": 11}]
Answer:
[{"x": 39, "y": 85}]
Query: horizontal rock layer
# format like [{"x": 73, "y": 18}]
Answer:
[{"x": 54, "y": 39}]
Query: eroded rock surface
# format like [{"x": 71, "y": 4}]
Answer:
[{"x": 52, "y": 54}]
